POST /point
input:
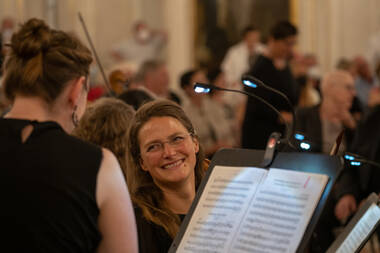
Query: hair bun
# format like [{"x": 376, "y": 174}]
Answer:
[{"x": 32, "y": 39}]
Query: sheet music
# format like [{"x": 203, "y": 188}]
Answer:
[
  {"x": 221, "y": 208},
  {"x": 280, "y": 212},
  {"x": 361, "y": 230},
  {"x": 247, "y": 209}
]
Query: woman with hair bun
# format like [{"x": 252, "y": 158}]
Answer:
[{"x": 59, "y": 194}]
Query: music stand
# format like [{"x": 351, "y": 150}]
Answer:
[
  {"x": 304, "y": 162},
  {"x": 355, "y": 236}
]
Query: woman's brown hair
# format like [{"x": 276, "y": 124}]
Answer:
[
  {"x": 105, "y": 123},
  {"x": 42, "y": 61},
  {"x": 145, "y": 193}
]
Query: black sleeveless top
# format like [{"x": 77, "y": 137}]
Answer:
[{"x": 47, "y": 189}]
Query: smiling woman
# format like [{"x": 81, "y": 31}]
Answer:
[{"x": 165, "y": 167}]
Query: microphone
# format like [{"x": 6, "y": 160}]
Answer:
[
  {"x": 206, "y": 88},
  {"x": 254, "y": 82}
]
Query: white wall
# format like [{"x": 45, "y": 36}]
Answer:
[{"x": 335, "y": 28}]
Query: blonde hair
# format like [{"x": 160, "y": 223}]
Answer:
[
  {"x": 144, "y": 192},
  {"x": 105, "y": 123}
]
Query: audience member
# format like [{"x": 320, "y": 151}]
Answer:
[
  {"x": 153, "y": 77},
  {"x": 321, "y": 124},
  {"x": 208, "y": 117},
  {"x": 217, "y": 78},
  {"x": 272, "y": 68},
  {"x": 364, "y": 80},
  {"x": 357, "y": 183},
  {"x": 6, "y": 31},
  {"x": 305, "y": 70},
  {"x": 135, "y": 98},
  {"x": 118, "y": 81},
  {"x": 145, "y": 44},
  {"x": 241, "y": 56},
  {"x": 59, "y": 194},
  {"x": 105, "y": 123},
  {"x": 165, "y": 167}
]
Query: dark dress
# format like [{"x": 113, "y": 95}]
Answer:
[
  {"x": 259, "y": 120},
  {"x": 47, "y": 189},
  {"x": 152, "y": 237}
]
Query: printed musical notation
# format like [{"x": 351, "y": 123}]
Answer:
[{"x": 246, "y": 209}]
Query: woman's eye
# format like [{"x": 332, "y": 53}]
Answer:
[
  {"x": 153, "y": 147},
  {"x": 178, "y": 139}
]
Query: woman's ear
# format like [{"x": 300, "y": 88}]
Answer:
[
  {"x": 196, "y": 144},
  {"x": 76, "y": 89},
  {"x": 141, "y": 161}
]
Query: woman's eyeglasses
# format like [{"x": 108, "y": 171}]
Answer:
[{"x": 158, "y": 147}]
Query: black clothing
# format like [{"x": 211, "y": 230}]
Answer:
[
  {"x": 152, "y": 237},
  {"x": 259, "y": 120},
  {"x": 361, "y": 181},
  {"x": 308, "y": 122},
  {"x": 135, "y": 98},
  {"x": 175, "y": 98},
  {"x": 47, "y": 189}
]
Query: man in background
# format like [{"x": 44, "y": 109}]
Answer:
[
  {"x": 153, "y": 78},
  {"x": 272, "y": 67},
  {"x": 241, "y": 56}
]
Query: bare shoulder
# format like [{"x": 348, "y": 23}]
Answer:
[{"x": 110, "y": 177}]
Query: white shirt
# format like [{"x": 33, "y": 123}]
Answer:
[
  {"x": 236, "y": 61},
  {"x": 133, "y": 51}
]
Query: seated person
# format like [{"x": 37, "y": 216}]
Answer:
[
  {"x": 58, "y": 193},
  {"x": 105, "y": 123},
  {"x": 165, "y": 167},
  {"x": 209, "y": 119},
  {"x": 135, "y": 97},
  {"x": 321, "y": 124},
  {"x": 357, "y": 183},
  {"x": 153, "y": 78}
]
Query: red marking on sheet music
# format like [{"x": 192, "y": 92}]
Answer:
[
  {"x": 272, "y": 142},
  {"x": 307, "y": 181}
]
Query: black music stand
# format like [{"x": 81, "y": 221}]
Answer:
[
  {"x": 304, "y": 162},
  {"x": 353, "y": 224}
]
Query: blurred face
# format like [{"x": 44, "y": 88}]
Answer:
[
  {"x": 168, "y": 151},
  {"x": 142, "y": 33},
  {"x": 283, "y": 48},
  {"x": 252, "y": 38},
  {"x": 158, "y": 81},
  {"x": 198, "y": 77},
  {"x": 344, "y": 92}
]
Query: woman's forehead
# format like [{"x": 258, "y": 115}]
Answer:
[{"x": 160, "y": 128}]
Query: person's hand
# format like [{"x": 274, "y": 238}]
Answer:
[
  {"x": 374, "y": 97},
  {"x": 345, "y": 207},
  {"x": 348, "y": 119},
  {"x": 288, "y": 117}
]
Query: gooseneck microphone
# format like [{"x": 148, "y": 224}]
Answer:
[
  {"x": 254, "y": 82},
  {"x": 206, "y": 88}
]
